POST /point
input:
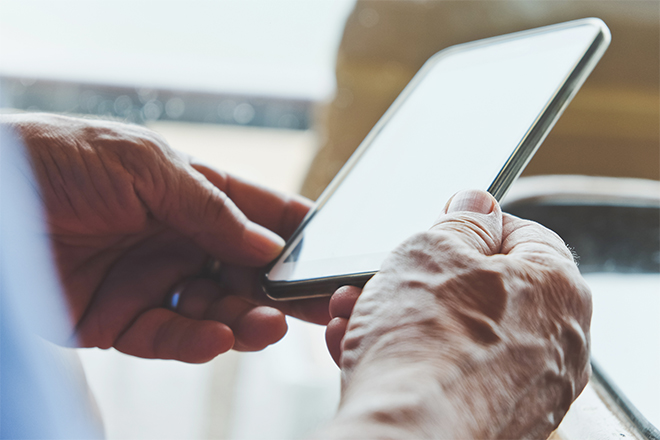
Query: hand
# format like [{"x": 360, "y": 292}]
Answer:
[
  {"x": 130, "y": 219},
  {"x": 478, "y": 328}
]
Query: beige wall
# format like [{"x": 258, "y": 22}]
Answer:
[{"x": 611, "y": 128}]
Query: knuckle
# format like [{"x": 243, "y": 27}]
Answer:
[
  {"x": 574, "y": 342},
  {"x": 468, "y": 231},
  {"x": 566, "y": 297},
  {"x": 430, "y": 247}
]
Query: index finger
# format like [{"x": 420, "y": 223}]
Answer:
[{"x": 281, "y": 213}]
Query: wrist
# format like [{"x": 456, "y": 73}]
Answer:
[{"x": 396, "y": 399}]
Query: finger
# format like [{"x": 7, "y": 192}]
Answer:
[
  {"x": 314, "y": 310},
  {"x": 196, "y": 297},
  {"x": 254, "y": 327},
  {"x": 343, "y": 301},
  {"x": 530, "y": 240},
  {"x": 473, "y": 220},
  {"x": 260, "y": 327},
  {"x": 276, "y": 211},
  {"x": 334, "y": 335},
  {"x": 162, "y": 334},
  {"x": 245, "y": 282},
  {"x": 182, "y": 198},
  {"x": 139, "y": 281}
]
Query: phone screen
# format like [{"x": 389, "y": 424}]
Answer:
[{"x": 456, "y": 127}]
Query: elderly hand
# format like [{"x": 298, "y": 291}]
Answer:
[
  {"x": 131, "y": 221},
  {"x": 478, "y": 328}
]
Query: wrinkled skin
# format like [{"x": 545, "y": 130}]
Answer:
[
  {"x": 130, "y": 220},
  {"x": 478, "y": 328}
]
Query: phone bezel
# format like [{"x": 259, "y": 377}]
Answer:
[{"x": 519, "y": 158}]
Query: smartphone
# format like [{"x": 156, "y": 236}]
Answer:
[{"x": 472, "y": 117}]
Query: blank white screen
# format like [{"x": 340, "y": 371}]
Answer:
[{"x": 456, "y": 130}]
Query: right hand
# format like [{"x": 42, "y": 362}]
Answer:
[
  {"x": 478, "y": 328},
  {"x": 131, "y": 221}
]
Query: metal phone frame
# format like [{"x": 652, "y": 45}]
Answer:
[{"x": 522, "y": 154}]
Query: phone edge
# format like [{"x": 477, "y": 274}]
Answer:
[{"x": 514, "y": 166}]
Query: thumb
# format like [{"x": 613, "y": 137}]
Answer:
[
  {"x": 201, "y": 211},
  {"x": 475, "y": 219}
]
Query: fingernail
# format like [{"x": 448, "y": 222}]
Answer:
[
  {"x": 471, "y": 201},
  {"x": 264, "y": 240}
]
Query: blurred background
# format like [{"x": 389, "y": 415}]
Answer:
[{"x": 281, "y": 92}]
